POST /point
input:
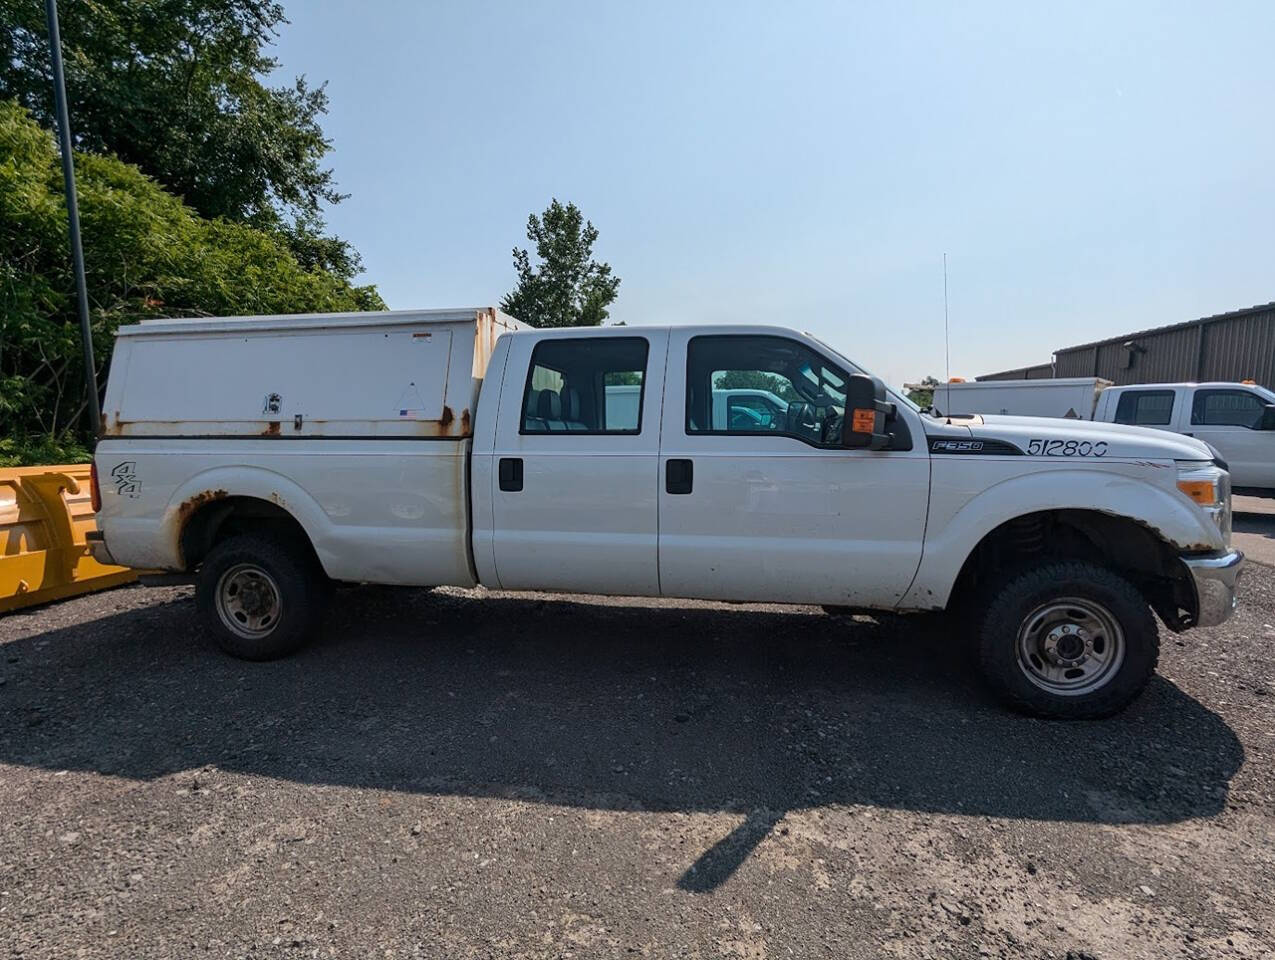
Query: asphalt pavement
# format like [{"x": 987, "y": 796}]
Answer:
[{"x": 462, "y": 774}]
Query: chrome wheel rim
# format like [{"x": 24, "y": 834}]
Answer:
[
  {"x": 249, "y": 601},
  {"x": 1070, "y": 646}
]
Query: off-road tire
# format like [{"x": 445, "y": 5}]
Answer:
[
  {"x": 295, "y": 574},
  {"x": 1018, "y": 595}
]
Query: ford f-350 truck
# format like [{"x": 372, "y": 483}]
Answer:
[{"x": 270, "y": 456}]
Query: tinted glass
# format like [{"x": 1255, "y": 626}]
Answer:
[
  {"x": 585, "y": 385},
  {"x": 1233, "y": 408},
  {"x": 763, "y": 385},
  {"x": 1146, "y": 408}
]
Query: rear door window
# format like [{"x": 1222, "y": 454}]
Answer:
[
  {"x": 1145, "y": 408},
  {"x": 586, "y": 385}
]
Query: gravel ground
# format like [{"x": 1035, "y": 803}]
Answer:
[
  {"x": 1254, "y": 522},
  {"x": 463, "y": 774}
]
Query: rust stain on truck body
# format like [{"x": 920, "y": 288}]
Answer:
[
  {"x": 447, "y": 426},
  {"x": 192, "y": 505}
]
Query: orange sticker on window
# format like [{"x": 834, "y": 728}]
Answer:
[{"x": 865, "y": 421}]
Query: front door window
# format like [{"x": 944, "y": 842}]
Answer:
[{"x": 763, "y": 385}]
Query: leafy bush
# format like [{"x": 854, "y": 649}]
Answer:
[{"x": 32, "y": 451}]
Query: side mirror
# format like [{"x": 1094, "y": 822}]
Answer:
[
  {"x": 866, "y": 413},
  {"x": 1268, "y": 418}
]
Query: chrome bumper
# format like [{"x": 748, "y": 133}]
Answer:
[{"x": 1215, "y": 578}]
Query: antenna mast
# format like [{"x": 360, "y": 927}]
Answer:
[
  {"x": 947, "y": 349},
  {"x": 947, "y": 337}
]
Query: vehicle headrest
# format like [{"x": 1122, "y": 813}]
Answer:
[
  {"x": 549, "y": 405},
  {"x": 571, "y": 403}
]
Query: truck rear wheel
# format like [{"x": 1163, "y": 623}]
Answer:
[
  {"x": 1068, "y": 640},
  {"x": 261, "y": 597}
]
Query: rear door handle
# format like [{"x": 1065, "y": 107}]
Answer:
[
  {"x": 510, "y": 473},
  {"x": 679, "y": 476}
]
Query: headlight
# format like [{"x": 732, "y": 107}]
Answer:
[{"x": 1210, "y": 486}]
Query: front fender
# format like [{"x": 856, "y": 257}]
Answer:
[
  {"x": 241, "y": 481},
  {"x": 954, "y": 531}
]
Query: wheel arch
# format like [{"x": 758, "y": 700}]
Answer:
[
  {"x": 1023, "y": 519},
  {"x": 216, "y": 503},
  {"x": 1127, "y": 547}
]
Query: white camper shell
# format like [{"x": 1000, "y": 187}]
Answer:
[{"x": 408, "y": 373}]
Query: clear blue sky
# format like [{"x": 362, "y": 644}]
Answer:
[{"x": 1089, "y": 169}]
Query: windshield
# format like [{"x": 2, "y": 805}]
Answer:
[
  {"x": 897, "y": 395},
  {"x": 907, "y": 401}
]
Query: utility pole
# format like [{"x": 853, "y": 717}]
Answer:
[{"x": 73, "y": 213}]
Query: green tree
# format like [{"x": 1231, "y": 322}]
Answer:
[
  {"x": 923, "y": 394},
  {"x": 175, "y": 87},
  {"x": 149, "y": 255},
  {"x": 567, "y": 287}
]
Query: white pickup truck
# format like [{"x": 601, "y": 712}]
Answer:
[
  {"x": 270, "y": 456},
  {"x": 1236, "y": 419}
]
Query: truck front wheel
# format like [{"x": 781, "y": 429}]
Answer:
[
  {"x": 1068, "y": 640},
  {"x": 261, "y": 597}
]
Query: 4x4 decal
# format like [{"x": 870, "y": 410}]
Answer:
[{"x": 125, "y": 477}]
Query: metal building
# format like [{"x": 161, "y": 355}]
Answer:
[
  {"x": 1041, "y": 371},
  {"x": 1239, "y": 345}
]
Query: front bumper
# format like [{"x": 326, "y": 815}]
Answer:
[{"x": 1215, "y": 578}]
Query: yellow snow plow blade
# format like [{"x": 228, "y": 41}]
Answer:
[{"x": 45, "y": 513}]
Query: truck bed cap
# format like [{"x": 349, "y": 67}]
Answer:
[
  {"x": 386, "y": 374},
  {"x": 308, "y": 321}
]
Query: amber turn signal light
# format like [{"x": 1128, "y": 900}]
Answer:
[
  {"x": 1201, "y": 491},
  {"x": 865, "y": 421}
]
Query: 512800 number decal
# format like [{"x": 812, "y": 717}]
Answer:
[{"x": 1066, "y": 448}]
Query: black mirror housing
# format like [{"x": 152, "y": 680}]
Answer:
[
  {"x": 1268, "y": 418},
  {"x": 867, "y": 410}
]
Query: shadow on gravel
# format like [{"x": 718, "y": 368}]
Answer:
[
  {"x": 1250, "y": 521},
  {"x": 604, "y": 706}
]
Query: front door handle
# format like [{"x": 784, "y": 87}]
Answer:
[
  {"x": 510, "y": 473},
  {"x": 679, "y": 476}
]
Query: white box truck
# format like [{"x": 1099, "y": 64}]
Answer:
[
  {"x": 1073, "y": 398},
  {"x": 266, "y": 457}
]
